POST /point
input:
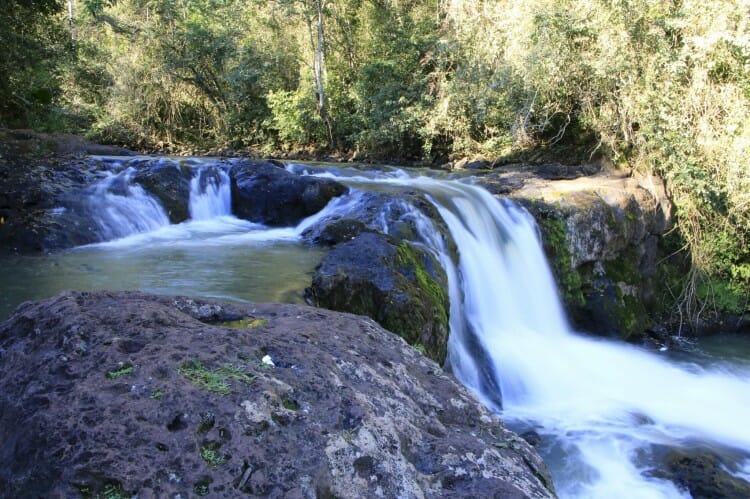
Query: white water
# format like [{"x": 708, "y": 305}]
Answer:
[
  {"x": 602, "y": 407},
  {"x": 120, "y": 208},
  {"x": 604, "y": 402},
  {"x": 210, "y": 194}
]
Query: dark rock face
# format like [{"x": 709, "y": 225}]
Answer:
[
  {"x": 170, "y": 183},
  {"x": 601, "y": 234},
  {"x": 156, "y": 396},
  {"x": 264, "y": 192},
  {"x": 38, "y": 204},
  {"x": 399, "y": 285},
  {"x": 703, "y": 475}
]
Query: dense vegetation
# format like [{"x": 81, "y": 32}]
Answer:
[{"x": 661, "y": 87}]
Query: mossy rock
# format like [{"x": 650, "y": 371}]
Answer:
[
  {"x": 399, "y": 285},
  {"x": 597, "y": 254}
]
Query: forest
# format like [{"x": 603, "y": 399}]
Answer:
[{"x": 651, "y": 87}]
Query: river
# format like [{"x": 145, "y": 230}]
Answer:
[{"x": 605, "y": 412}]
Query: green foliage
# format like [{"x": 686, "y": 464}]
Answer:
[
  {"x": 212, "y": 457},
  {"x": 294, "y": 118},
  {"x": 34, "y": 50},
  {"x": 214, "y": 380},
  {"x": 122, "y": 371}
]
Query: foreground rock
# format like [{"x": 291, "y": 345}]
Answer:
[{"x": 131, "y": 393}]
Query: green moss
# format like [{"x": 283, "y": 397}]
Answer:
[
  {"x": 245, "y": 323},
  {"x": 569, "y": 280},
  {"x": 121, "y": 371},
  {"x": 212, "y": 456},
  {"x": 631, "y": 316},
  {"x": 623, "y": 269},
  {"x": 214, "y": 380},
  {"x": 405, "y": 257},
  {"x": 157, "y": 394},
  {"x": 430, "y": 291}
]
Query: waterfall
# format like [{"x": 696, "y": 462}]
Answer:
[
  {"x": 605, "y": 410},
  {"x": 120, "y": 208},
  {"x": 604, "y": 404},
  {"x": 210, "y": 194}
]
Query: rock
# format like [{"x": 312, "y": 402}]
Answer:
[
  {"x": 399, "y": 285},
  {"x": 170, "y": 183},
  {"x": 601, "y": 234},
  {"x": 264, "y": 192},
  {"x": 703, "y": 474},
  {"x": 472, "y": 164},
  {"x": 38, "y": 204},
  {"x": 131, "y": 394},
  {"x": 398, "y": 214}
]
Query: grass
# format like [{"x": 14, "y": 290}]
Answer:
[{"x": 214, "y": 380}]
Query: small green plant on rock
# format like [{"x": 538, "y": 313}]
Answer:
[
  {"x": 246, "y": 323},
  {"x": 212, "y": 457},
  {"x": 214, "y": 380},
  {"x": 122, "y": 371}
]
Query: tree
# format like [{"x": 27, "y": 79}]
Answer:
[{"x": 33, "y": 42}]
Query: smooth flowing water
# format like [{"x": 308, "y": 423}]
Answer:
[
  {"x": 604, "y": 410},
  {"x": 212, "y": 255}
]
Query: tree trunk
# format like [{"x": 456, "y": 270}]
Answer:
[
  {"x": 71, "y": 20},
  {"x": 319, "y": 71}
]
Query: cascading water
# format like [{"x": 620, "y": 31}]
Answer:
[
  {"x": 120, "y": 208},
  {"x": 604, "y": 404},
  {"x": 604, "y": 409},
  {"x": 210, "y": 194}
]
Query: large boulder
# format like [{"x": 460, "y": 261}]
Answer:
[
  {"x": 601, "y": 232},
  {"x": 39, "y": 201},
  {"x": 703, "y": 474},
  {"x": 398, "y": 284},
  {"x": 169, "y": 182},
  {"x": 264, "y": 192},
  {"x": 602, "y": 235},
  {"x": 125, "y": 394}
]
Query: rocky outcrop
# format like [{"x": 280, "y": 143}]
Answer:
[
  {"x": 398, "y": 284},
  {"x": 265, "y": 192},
  {"x": 36, "y": 200},
  {"x": 105, "y": 394},
  {"x": 703, "y": 474},
  {"x": 169, "y": 182},
  {"x": 601, "y": 233}
]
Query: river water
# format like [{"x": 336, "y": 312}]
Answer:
[{"x": 605, "y": 411}]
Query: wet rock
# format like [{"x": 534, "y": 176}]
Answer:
[
  {"x": 162, "y": 403},
  {"x": 399, "y": 285},
  {"x": 170, "y": 183},
  {"x": 264, "y": 192},
  {"x": 38, "y": 201},
  {"x": 703, "y": 475},
  {"x": 601, "y": 234},
  {"x": 398, "y": 213}
]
